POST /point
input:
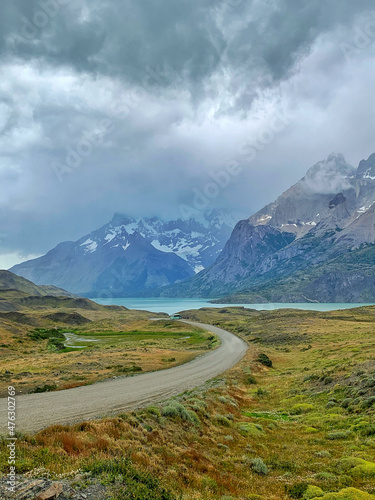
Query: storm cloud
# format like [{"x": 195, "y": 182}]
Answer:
[{"x": 139, "y": 107}]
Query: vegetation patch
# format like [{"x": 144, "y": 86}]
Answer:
[
  {"x": 205, "y": 442},
  {"x": 174, "y": 409}
]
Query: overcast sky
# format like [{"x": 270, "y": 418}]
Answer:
[{"x": 157, "y": 108}]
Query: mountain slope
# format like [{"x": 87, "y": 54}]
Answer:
[
  {"x": 14, "y": 290},
  {"x": 127, "y": 256},
  {"x": 10, "y": 283},
  {"x": 317, "y": 229}
]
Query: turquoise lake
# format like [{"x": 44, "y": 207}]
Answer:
[{"x": 171, "y": 306}]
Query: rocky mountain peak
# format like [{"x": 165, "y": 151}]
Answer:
[
  {"x": 329, "y": 176},
  {"x": 129, "y": 255},
  {"x": 365, "y": 184},
  {"x": 307, "y": 202},
  {"x": 366, "y": 168}
]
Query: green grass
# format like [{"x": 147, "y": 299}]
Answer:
[{"x": 284, "y": 417}]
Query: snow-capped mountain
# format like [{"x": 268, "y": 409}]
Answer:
[
  {"x": 128, "y": 255},
  {"x": 316, "y": 242}
]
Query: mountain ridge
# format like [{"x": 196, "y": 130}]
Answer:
[
  {"x": 127, "y": 256},
  {"x": 317, "y": 225}
]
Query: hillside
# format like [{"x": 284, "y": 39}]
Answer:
[
  {"x": 10, "y": 282},
  {"x": 293, "y": 420}
]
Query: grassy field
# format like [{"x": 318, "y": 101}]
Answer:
[
  {"x": 294, "y": 419},
  {"x": 51, "y": 348}
]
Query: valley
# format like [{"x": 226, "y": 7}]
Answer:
[
  {"x": 293, "y": 419},
  {"x": 53, "y": 343}
]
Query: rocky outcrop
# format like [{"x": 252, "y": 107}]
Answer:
[{"x": 46, "y": 489}]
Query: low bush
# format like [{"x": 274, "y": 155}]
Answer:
[
  {"x": 250, "y": 380},
  {"x": 348, "y": 494},
  {"x": 301, "y": 408},
  {"x": 246, "y": 428},
  {"x": 46, "y": 388},
  {"x": 264, "y": 360},
  {"x": 129, "y": 369},
  {"x": 296, "y": 490},
  {"x": 368, "y": 403},
  {"x": 153, "y": 410},
  {"x": 177, "y": 410},
  {"x": 312, "y": 492},
  {"x": 259, "y": 467},
  {"x": 222, "y": 420},
  {"x": 357, "y": 467},
  {"x": 261, "y": 392}
]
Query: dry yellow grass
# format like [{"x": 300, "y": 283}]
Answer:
[{"x": 33, "y": 364}]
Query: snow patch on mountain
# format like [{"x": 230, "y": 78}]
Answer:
[{"x": 90, "y": 246}]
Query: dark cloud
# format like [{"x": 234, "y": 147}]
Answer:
[{"x": 109, "y": 105}]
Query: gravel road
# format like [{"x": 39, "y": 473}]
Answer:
[{"x": 37, "y": 411}]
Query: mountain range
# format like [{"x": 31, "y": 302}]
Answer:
[
  {"x": 128, "y": 256},
  {"x": 314, "y": 243}
]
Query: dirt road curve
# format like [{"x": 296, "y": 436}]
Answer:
[{"x": 36, "y": 411}]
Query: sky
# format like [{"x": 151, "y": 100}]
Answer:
[{"x": 171, "y": 108}]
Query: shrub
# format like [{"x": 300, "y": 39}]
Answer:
[
  {"x": 296, "y": 490},
  {"x": 250, "y": 380},
  {"x": 367, "y": 403},
  {"x": 153, "y": 410},
  {"x": 301, "y": 408},
  {"x": 46, "y": 388},
  {"x": 330, "y": 404},
  {"x": 312, "y": 492},
  {"x": 223, "y": 399},
  {"x": 264, "y": 360},
  {"x": 222, "y": 420},
  {"x": 346, "y": 402},
  {"x": 227, "y": 400},
  {"x": 197, "y": 405},
  {"x": 259, "y": 466},
  {"x": 246, "y": 428},
  {"x": 357, "y": 467},
  {"x": 348, "y": 494},
  {"x": 177, "y": 410},
  {"x": 55, "y": 344},
  {"x": 129, "y": 369}
]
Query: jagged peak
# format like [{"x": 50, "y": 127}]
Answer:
[
  {"x": 331, "y": 175},
  {"x": 214, "y": 216},
  {"x": 120, "y": 219},
  {"x": 366, "y": 168}
]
